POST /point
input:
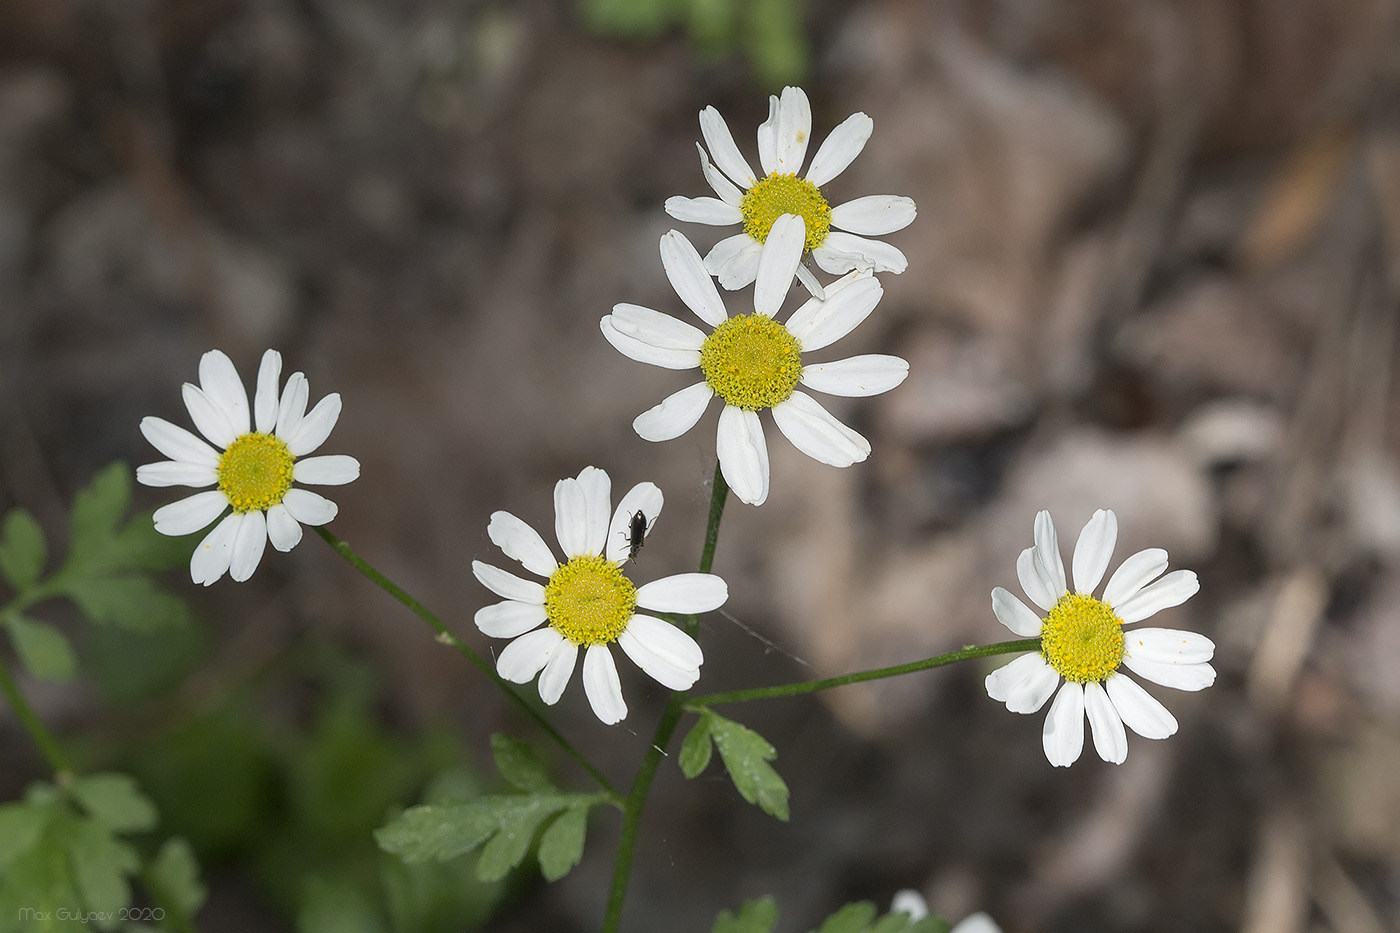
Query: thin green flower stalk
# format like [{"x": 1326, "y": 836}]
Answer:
[{"x": 43, "y": 738}]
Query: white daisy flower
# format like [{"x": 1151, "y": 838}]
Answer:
[
  {"x": 1083, "y": 642},
  {"x": 752, "y": 362},
  {"x": 252, "y": 470},
  {"x": 782, "y": 147},
  {"x": 587, "y": 602}
]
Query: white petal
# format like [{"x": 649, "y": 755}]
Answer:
[
  {"x": 722, "y": 186},
  {"x": 597, "y": 498},
  {"x": 191, "y": 513},
  {"x": 601, "y": 685},
  {"x": 1177, "y": 676},
  {"x": 874, "y": 215},
  {"x": 977, "y": 923},
  {"x": 820, "y": 323},
  {"x": 1172, "y": 590},
  {"x": 558, "y": 671},
  {"x": 1169, "y": 646},
  {"x": 814, "y": 431},
  {"x": 767, "y": 138},
  {"x": 1138, "y": 709},
  {"x": 1094, "y": 550},
  {"x": 219, "y": 380},
  {"x": 211, "y": 558},
  {"x": 265, "y": 401},
  {"x": 777, "y": 263},
  {"x": 282, "y": 530},
  {"x": 570, "y": 518},
  {"x": 652, "y": 337},
  {"x": 1063, "y": 736},
  {"x": 793, "y": 130},
  {"x": 1014, "y": 614},
  {"x": 1047, "y": 553},
  {"x": 507, "y": 584},
  {"x": 177, "y": 443},
  {"x": 313, "y": 430},
  {"x": 207, "y": 417},
  {"x": 176, "y": 473},
  {"x": 710, "y": 211},
  {"x": 842, "y": 252},
  {"x": 525, "y": 657},
  {"x": 663, "y": 670},
  {"x": 809, "y": 282},
  {"x": 911, "y": 902},
  {"x": 1110, "y": 741},
  {"x": 308, "y": 507},
  {"x": 643, "y": 497},
  {"x": 1030, "y": 695},
  {"x": 683, "y": 592},
  {"x": 292, "y": 408},
  {"x": 521, "y": 542},
  {"x": 1134, "y": 574},
  {"x": 676, "y": 414},
  {"x": 1033, "y": 580},
  {"x": 666, "y": 641},
  {"x": 722, "y": 148},
  {"x": 743, "y": 454},
  {"x": 1004, "y": 681},
  {"x": 686, "y": 271},
  {"x": 510, "y": 618},
  {"x": 248, "y": 546},
  {"x": 840, "y": 148},
  {"x": 856, "y": 377},
  {"x": 734, "y": 261},
  {"x": 329, "y": 470}
]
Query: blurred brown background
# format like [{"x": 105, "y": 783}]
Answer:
[{"x": 1156, "y": 268}]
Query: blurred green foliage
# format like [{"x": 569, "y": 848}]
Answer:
[{"x": 761, "y": 915}]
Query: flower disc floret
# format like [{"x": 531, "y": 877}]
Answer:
[
  {"x": 752, "y": 362},
  {"x": 255, "y": 471},
  {"x": 776, "y": 195},
  {"x": 1082, "y": 639},
  {"x": 589, "y": 601}
]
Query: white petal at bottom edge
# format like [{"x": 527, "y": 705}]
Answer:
[
  {"x": 1110, "y": 741},
  {"x": 663, "y": 670},
  {"x": 558, "y": 671},
  {"x": 282, "y": 530},
  {"x": 911, "y": 902},
  {"x": 188, "y": 515},
  {"x": 1180, "y": 676},
  {"x": 525, "y": 657},
  {"x": 1003, "y": 681},
  {"x": 743, "y": 454},
  {"x": 1063, "y": 736},
  {"x": 817, "y": 433},
  {"x": 683, "y": 592},
  {"x": 212, "y": 556},
  {"x": 977, "y": 923},
  {"x": 308, "y": 507},
  {"x": 509, "y": 618},
  {"x": 248, "y": 546},
  {"x": 601, "y": 685},
  {"x": 676, "y": 414},
  {"x": 1138, "y": 709}
]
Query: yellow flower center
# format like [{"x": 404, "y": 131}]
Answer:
[
  {"x": 752, "y": 362},
  {"x": 255, "y": 471},
  {"x": 1082, "y": 639},
  {"x": 589, "y": 601},
  {"x": 776, "y": 195}
]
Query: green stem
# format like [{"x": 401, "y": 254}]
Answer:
[
  {"x": 42, "y": 737},
  {"x": 665, "y": 728},
  {"x": 812, "y": 686},
  {"x": 446, "y": 637}
]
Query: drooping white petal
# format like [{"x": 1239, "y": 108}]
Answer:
[
  {"x": 521, "y": 542},
  {"x": 743, "y": 454},
  {"x": 734, "y": 261},
  {"x": 668, "y": 655},
  {"x": 686, "y": 271},
  {"x": 840, "y": 148},
  {"x": 1172, "y": 590},
  {"x": 558, "y": 671},
  {"x": 722, "y": 148},
  {"x": 1033, "y": 580},
  {"x": 1005, "y": 680},
  {"x": 1031, "y": 694},
  {"x": 292, "y": 408},
  {"x": 874, "y": 215},
  {"x": 977, "y": 923},
  {"x": 1178, "y": 676},
  {"x": 508, "y": 585},
  {"x": 188, "y": 515},
  {"x": 1138, "y": 709},
  {"x": 510, "y": 618},
  {"x": 818, "y": 323},
  {"x": 1094, "y": 550},
  {"x": 283, "y": 531},
  {"x": 597, "y": 499},
  {"x": 817, "y": 433},
  {"x": 248, "y": 546},
  {"x": 219, "y": 380},
  {"x": 1047, "y": 553},
  {"x": 177, "y": 443},
  {"x": 601, "y": 685},
  {"x": 722, "y": 186},
  {"x": 659, "y": 669},
  {"x": 683, "y": 592},
  {"x": 649, "y": 336},
  {"x": 1014, "y": 614},
  {"x": 525, "y": 657},
  {"x": 777, "y": 263},
  {"x": 1133, "y": 574},
  {"x": 570, "y": 518},
  {"x": 207, "y": 417},
  {"x": 1063, "y": 736},
  {"x": 176, "y": 473},
  {"x": 308, "y": 507},
  {"x": 767, "y": 138},
  {"x": 841, "y": 252},
  {"x": 643, "y": 497},
  {"x": 328, "y": 470},
  {"x": 265, "y": 401},
  {"x": 857, "y": 376},
  {"x": 211, "y": 558},
  {"x": 1106, "y": 726},
  {"x": 1168, "y": 645},
  {"x": 793, "y": 130},
  {"x": 676, "y": 414},
  {"x": 710, "y": 211},
  {"x": 313, "y": 430}
]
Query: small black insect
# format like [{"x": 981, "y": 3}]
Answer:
[{"x": 636, "y": 534}]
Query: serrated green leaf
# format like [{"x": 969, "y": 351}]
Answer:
[
  {"x": 746, "y": 755},
  {"x": 561, "y": 846},
  {"x": 43, "y": 650},
  {"x": 98, "y": 507},
  {"x": 21, "y": 825},
  {"x": 114, "y": 801},
  {"x": 436, "y": 832},
  {"x": 22, "y": 549},
  {"x": 696, "y": 749},
  {"x": 757, "y": 916},
  {"x": 852, "y": 918},
  {"x": 505, "y": 850},
  {"x": 100, "y": 865},
  {"x": 176, "y": 872},
  {"x": 518, "y": 765},
  {"x": 134, "y": 603}
]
